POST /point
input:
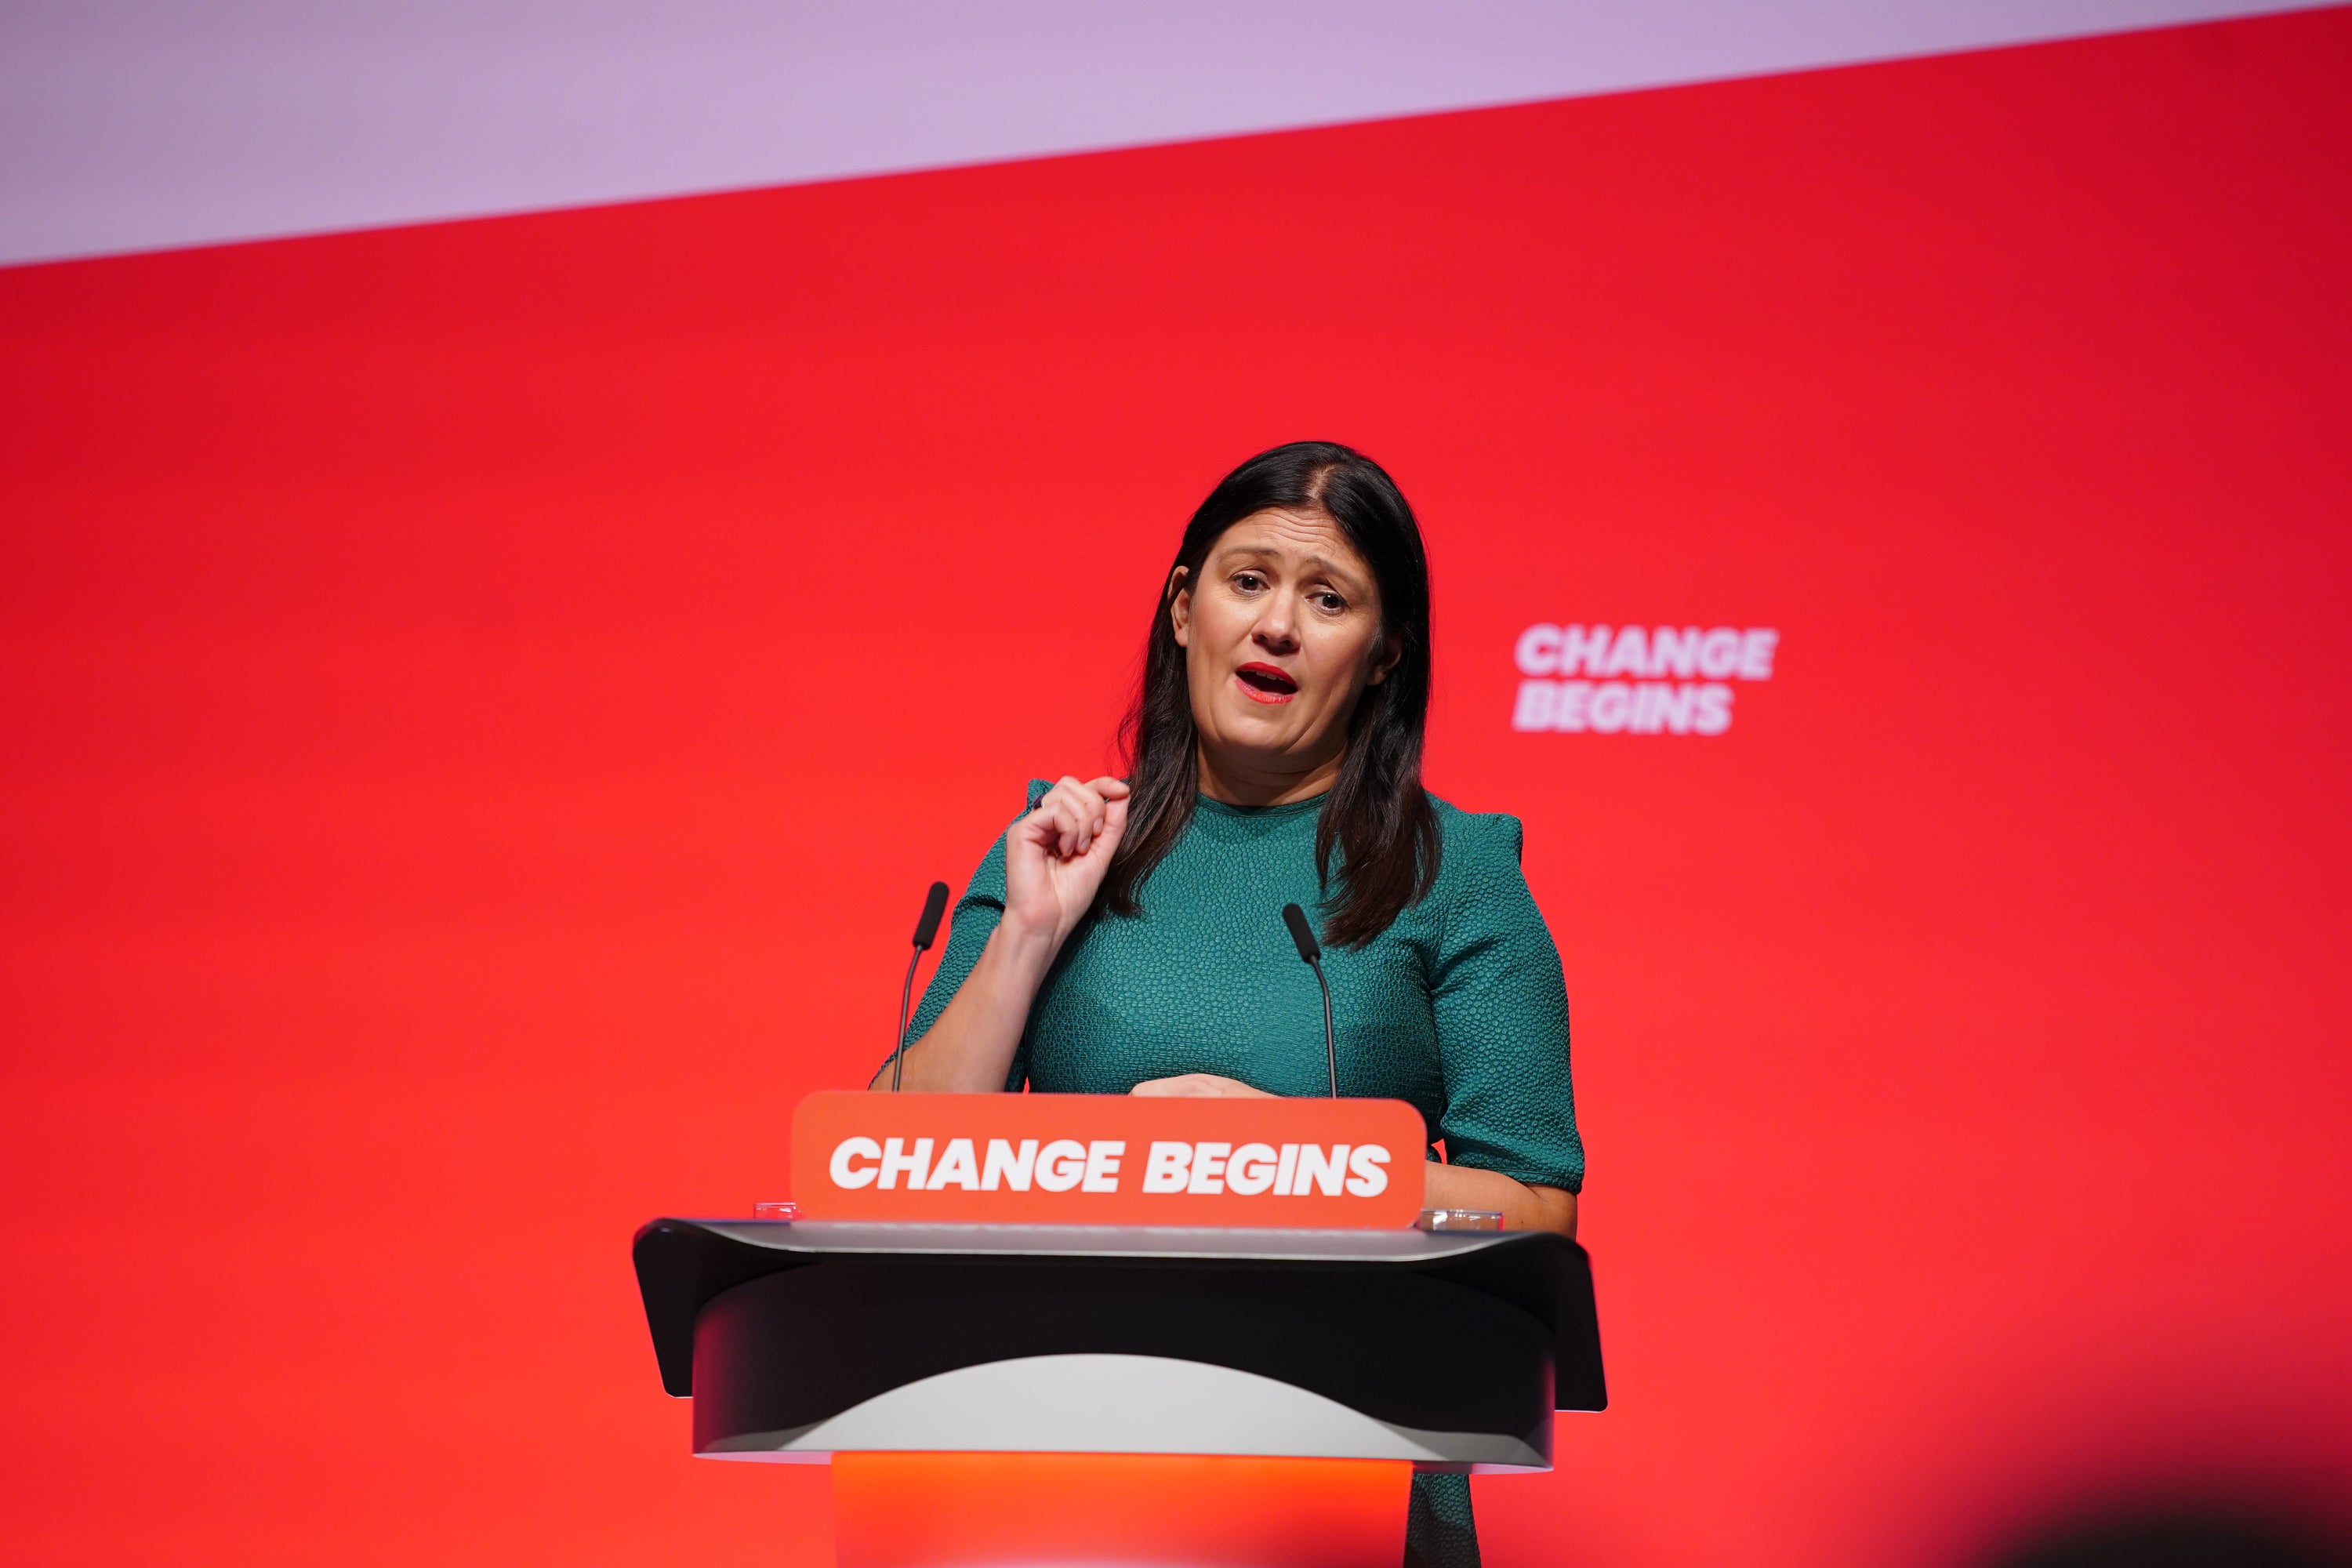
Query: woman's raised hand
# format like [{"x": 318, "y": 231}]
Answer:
[{"x": 1055, "y": 857}]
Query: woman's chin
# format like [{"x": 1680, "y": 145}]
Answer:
[{"x": 1248, "y": 731}]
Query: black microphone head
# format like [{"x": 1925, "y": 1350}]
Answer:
[
  {"x": 1309, "y": 950},
  {"x": 935, "y": 904}
]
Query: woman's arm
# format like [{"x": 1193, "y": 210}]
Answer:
[
  {"x": 1523, "y": 1205},
  {"x": 1500, "y": 1004},
  {"x": 1054, "y": 859}
]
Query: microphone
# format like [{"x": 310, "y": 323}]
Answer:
[
  {"x": 935, "y": 904},
  {"x": 1311, "y": 952}
]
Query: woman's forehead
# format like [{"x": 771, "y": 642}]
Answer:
[{"x": 1297, "y": 536}]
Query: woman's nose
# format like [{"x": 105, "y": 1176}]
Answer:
[{"x": 1274, "y": 628}]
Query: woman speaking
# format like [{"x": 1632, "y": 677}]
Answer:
[{"x": 1125, "y": 935}]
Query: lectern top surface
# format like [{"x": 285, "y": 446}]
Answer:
[{"x": 1405, "y": 1246}]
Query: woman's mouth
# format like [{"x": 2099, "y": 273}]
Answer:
[{"x": 1264, "y": 683}]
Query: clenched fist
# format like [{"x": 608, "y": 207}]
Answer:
[{"x": 1055, "y": 857}]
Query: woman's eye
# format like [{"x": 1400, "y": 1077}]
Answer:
[
  {"x": 1332, "y": 602},
  {"x": 1248, "y": 582}
]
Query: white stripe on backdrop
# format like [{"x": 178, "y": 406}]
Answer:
[{"x": 145, "y": 125}]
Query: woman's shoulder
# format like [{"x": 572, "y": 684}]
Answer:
[
  {"x": 1480, "y": 889},
  {"x": 1480, "y": 837}
]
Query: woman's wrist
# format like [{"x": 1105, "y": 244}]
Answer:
[{"x": 1023, "y": 949}]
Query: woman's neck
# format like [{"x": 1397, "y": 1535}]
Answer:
[{"x": 1243, "y": 780}]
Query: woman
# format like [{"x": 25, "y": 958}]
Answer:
[{"x": 1125, "y": 935}]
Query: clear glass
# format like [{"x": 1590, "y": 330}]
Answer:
[
  {"x": 785, "y": 1212},
  {"x": 1459, "y": 1219}
]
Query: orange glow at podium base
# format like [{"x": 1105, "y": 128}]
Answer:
[{"x": 948, "y": 1511}]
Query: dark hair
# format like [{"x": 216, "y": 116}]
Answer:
[{"x": 1376, "y": 815}]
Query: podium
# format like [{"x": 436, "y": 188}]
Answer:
[{"x": 1004, "y": 1393}]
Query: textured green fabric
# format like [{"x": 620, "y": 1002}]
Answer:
[
  {"x": 1438, "y": 1530},
  {"x": 1458, "y": 1007}
]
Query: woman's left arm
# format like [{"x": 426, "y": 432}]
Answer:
[
  {"x": 1523, "y": 1206},
  {"x": 1500, "y": 1004}
]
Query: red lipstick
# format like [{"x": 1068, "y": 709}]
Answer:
[{"x": 1264, "y": 683}]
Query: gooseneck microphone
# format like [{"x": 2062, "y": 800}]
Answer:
[
  {"x": 1311, "y": 953},
  {"x": 935, "y": 904}
]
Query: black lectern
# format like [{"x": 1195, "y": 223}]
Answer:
[{"x": 1367, "y": 1353}]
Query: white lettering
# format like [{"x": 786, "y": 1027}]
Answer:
[
  {"x": 1209, "y": 1167},
  {"x": 1718, "y": 653},
  {"x": 957, "y": 1168},
  {"x": 1367, "y": 1178},
  {"x": 1320, "y": 1170},
  {"x": 896, "y": 1161},
  {"x": 1164, "y": 1167},
  {"x": 1582, "y": 648},
  {"x": 1061, "y": 1165},
  {"x": 1538, "y": 649},
  {"x": 1572, "y": 716},
  {"x": 1649, "y": 701},
  {"x": 1713, "y": 716},
  {"x": 1287, "y": 1170},
  {"x": 1638, "y": 707},
  {"x": 850, "y": 1149},
  {"x": 1102, "y": 1166},
  {"x": 1251, "y": 1170},
  {"x": 1674, "y": 652},
  {"x": 1612, "y": 703},
  {"x": 1004, "y": 1166},
  {"x": 1631, "y": 655},
  {"x": 1677, "y": 706},
  {"x": 1534, "y": 708}
]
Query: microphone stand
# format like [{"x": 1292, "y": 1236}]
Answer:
[
  {"x": 1330, "y": 1047},
  {"x": 935, "y": 904},
  {"x": 905, "y": 1003},
  {"x": 1302, "y": 935}
]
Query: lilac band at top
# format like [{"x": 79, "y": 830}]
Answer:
[{"x": 146, "y": 124}]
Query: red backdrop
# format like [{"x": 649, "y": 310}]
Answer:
[{"x": 482, "y": 703}]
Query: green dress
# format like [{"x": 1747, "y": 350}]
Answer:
[{"x": 1458, "y": 1008}]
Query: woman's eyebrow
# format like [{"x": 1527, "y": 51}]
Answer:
[
  {"x": 1324, "y": 565},
  {"x": 1337, "y": 573}
]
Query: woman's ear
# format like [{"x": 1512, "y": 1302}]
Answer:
[
  {"x": 1391, "y": 649},
  {"x": 1180, "y": 607}
]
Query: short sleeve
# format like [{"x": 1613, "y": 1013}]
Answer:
[
  {"x": 968, "y": 928},
  {"x": 1500, "y": 1002}
]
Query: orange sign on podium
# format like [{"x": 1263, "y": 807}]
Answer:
[
  {"x": 941, "y": 1510},
  {"x": 1102, "y": 1159}
]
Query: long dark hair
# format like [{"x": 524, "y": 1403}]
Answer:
[{"x": 1377, "y": 817}]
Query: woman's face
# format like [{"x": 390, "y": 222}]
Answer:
[{"x": 1281, "y": 635}]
